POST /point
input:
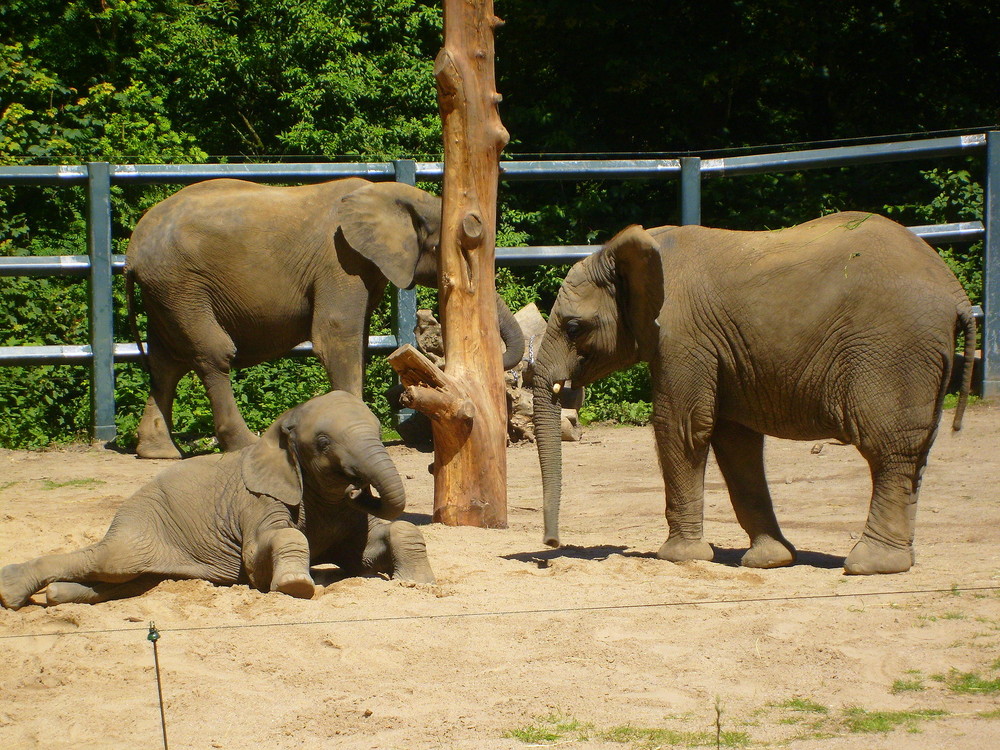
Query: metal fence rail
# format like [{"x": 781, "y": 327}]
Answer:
[{"x": 98, "y": 266}]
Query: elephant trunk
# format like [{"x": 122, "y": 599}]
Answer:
[
  {"x": 374, "y": 466},
  {"x": 511, "y": 335},
  {"x": 548, "y": 440}
]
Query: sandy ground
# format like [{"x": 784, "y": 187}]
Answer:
[{"x": 598, "y": 643}]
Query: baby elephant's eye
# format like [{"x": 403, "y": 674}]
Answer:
[
  {"x": 323, "y": 442},
  {"x": 573, "y": 327}
]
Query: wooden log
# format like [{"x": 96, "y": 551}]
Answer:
[{"x": 466, "y": 403}]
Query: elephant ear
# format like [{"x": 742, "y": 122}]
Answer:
[
  {"x": 635, "y": 256},
  {"x": 271, "y": 466},
  {"x": 386, "y": 222}
]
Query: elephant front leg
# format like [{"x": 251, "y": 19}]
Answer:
[
  {"x": 740, "y": 453},
  {"x": 683, "y": 451},
  {"x": 340, "y": 348},
  {"x": 398, "y": 550},
  {"x": 281, "y": 562}
]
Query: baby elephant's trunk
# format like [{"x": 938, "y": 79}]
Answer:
[{"x": 376, "y": 468}]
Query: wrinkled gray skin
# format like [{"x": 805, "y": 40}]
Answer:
[
  {"x": 299, "y": 495},
  {"x": 234, "y": 273},
  {"x": 843, "y": 327}
]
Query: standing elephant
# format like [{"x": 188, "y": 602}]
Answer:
[
  {"x": 843, "y": 327},
  {"x": 234, "y": 273},
  {"x": 261, "y": 515}
]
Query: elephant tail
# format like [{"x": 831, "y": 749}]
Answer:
[
  {"x": 968, "y": 322},
  {"x": 132, "y": 324}
]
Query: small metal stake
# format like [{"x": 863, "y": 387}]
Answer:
[{"x": 153, "y": 637}]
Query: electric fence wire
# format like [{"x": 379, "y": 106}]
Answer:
[{"x": 956, "y": 589}]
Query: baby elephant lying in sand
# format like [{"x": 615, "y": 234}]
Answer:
[{"x": 260, "y": 515}]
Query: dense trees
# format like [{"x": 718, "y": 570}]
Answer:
[{"x": 182, "y": 81}]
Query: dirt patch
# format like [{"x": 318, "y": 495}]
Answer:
[{"x": 597, "y": 643}]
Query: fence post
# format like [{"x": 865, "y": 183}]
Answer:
[
  {"x": 404, "y": 308},
  {"x": 102, "y": 380},
  {"x": 690, "y": 190},
  {"x": 991, "y": 270}
]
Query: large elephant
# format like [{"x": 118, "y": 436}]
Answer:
[
  {"x": 299, "y": 495},
  {"x": 843, "y": 327},
  {"x": 234, "y": 273}
]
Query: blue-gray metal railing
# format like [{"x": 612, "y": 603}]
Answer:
[
  {"x": 991, "y": 270},
  {"x": 98, "y": 267}
]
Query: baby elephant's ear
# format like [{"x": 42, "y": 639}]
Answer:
[{"x": 271, "y": 466}]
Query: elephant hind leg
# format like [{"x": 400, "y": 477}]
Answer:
[
  {"x": 101, "y": 562},
  {"x": 897, "y": 459},
  {"x": 154, "y": 428},
  {"x": 65, "y": 592},
  {"x": 397, "y": 549},
  {"x": 740, "y": 454},
  {"x": 230, "y": 428},
  {"x": 886, "y": 545}
]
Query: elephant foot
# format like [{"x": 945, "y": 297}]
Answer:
[
  {"x": 768, "y": 552},
  {"x": 409, "y": 553},
  {"x": 419, "y": 572},
  {"x": 299, "y": 585},
  {"x": 15, "y": 588},
  {"x": 65, "y": 592},
  {"x": 679, "y": 549},
  {"x": 156, "y": 449},
  {"x": 870, "y": 557}
]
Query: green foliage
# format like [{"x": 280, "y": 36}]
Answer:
[
  {"x": 172, "y": 81},
  {"x": 623, "y": 397},
  {"x": 958, "y": 198}
]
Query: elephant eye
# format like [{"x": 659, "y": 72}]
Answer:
[
  {"x": 573, "y": 327},
  {"x": 322, "y": 443}
]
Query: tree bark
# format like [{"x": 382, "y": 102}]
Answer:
[{"x": 466, "y": 403}]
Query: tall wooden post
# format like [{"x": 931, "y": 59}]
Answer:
[{"x": 466, "y": 403}]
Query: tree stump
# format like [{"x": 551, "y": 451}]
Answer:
[{"x": 466, "y": 403}]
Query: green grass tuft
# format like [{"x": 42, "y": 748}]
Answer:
[
  {"x": 804, "y": 705},
  {"x": 859, "y": 720},
  {"x": 969, "y": 683},
  {"x": 908, "y": 686},
  {"x": 549, "y": 728},
  {"x": 48, "y": 484},
  {"x": 642, "y": 737}
]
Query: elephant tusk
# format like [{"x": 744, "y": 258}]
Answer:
[{"x": 556, "y": 387}]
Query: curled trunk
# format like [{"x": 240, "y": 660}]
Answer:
[
  {"x": 511, "y": 335},
  {"x": 376, "y": 467}
]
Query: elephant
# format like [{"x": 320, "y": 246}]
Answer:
[
  {"x": 299, "y": 495},
  {"x": 233, "y": 273},
  {"x": 843, "y": 327}
]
